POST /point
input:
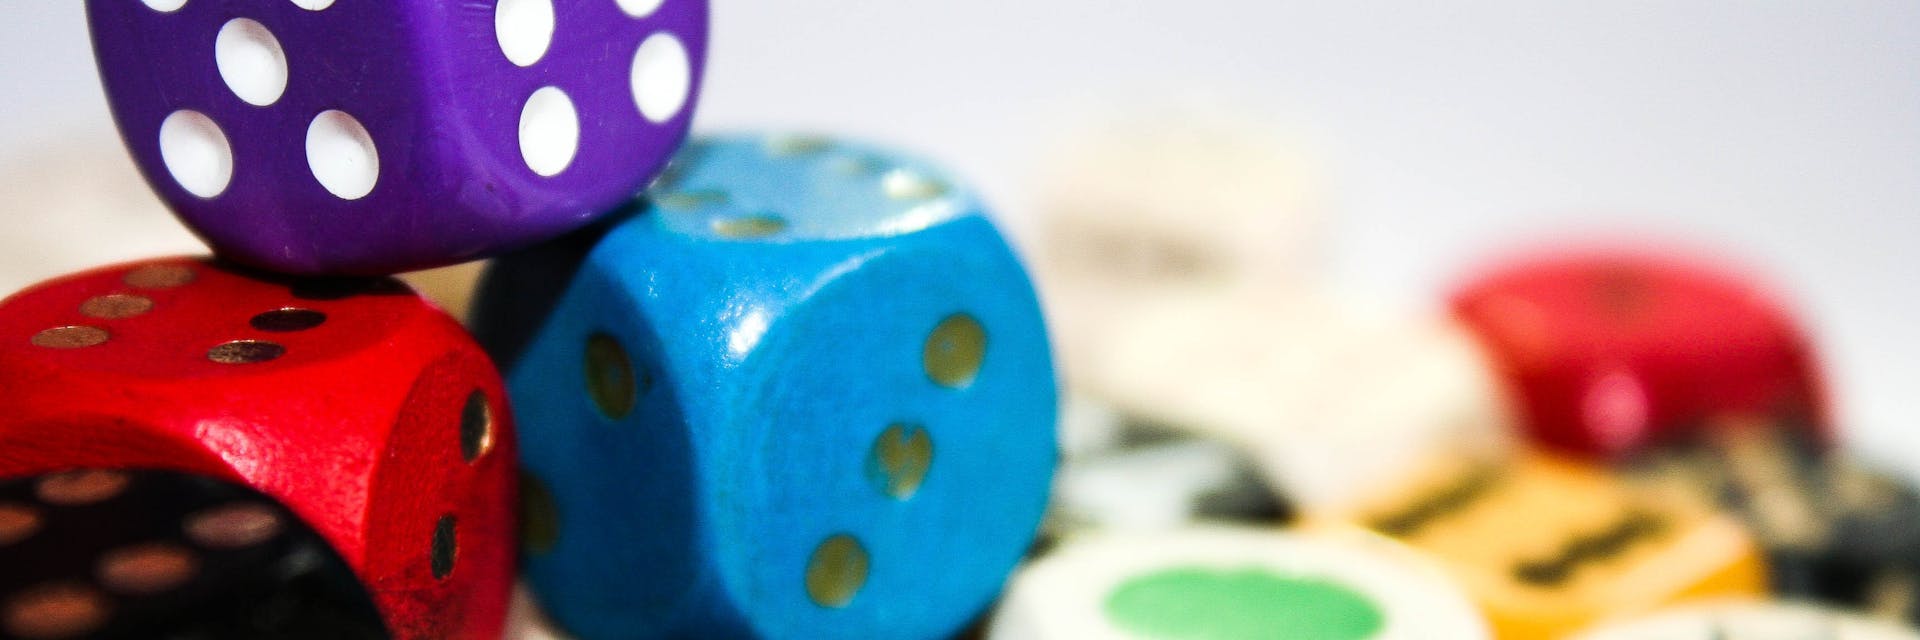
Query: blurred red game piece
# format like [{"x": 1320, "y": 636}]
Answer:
[{"x": 1607, "y": 352}]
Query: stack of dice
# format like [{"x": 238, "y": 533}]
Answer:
[
  {"x": 780, "y": 386},
  {"x": 756, "y": 386}
]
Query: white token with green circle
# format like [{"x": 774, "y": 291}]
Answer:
[
  {"x": 1227, "y": 583},
  {"x": 1753, "y": 621}
]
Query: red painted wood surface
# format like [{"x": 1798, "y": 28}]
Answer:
[
  {"x": 1608, "y": 352},
  {"x": 356, "y": 426}
]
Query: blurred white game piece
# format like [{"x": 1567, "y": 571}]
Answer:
[
  {"x": 1331, "y": 398},
  {"x": 450, "y": 288},
  {"x": 1161, "y": 203},
  {"x": 526, "y": 622},
  {"x": 1144, "y": 477},
  {"x": 1753, "y": 621},
  {"x": 1230, "y": 583}
]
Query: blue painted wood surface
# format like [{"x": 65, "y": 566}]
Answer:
[{"x": 783, "y": 303}]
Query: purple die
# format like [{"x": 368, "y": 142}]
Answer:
[{"x": 373, "y": 136}]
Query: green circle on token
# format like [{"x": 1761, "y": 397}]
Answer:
[{"x": 1191, "y": 603}]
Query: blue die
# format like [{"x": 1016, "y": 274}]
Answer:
[{"x": 803, "y": 390}]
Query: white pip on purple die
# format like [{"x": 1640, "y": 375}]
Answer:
[{"x": 375, "y": 136}]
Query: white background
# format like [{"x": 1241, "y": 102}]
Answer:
[{"x": 1787, "y": 134}]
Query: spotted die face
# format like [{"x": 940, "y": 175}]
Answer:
[
  {"x": 368, "y": 413},
  {"x": 114, "y": 553},
  {"x": 833, "y": 373},
  {"x": 374, "y": 136}
]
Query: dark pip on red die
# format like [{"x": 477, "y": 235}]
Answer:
[
  {"x": 367, "y": 412},
  {"x": 1609, "y": 352}
]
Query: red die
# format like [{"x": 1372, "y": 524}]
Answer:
[
  {"x": 370, "y": 414},
  {"x": 1610, "y": 351}
]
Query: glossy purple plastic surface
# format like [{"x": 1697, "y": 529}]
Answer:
[{"x": 438, "y": 96}]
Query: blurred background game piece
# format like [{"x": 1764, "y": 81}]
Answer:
[
  {"x": 1225, "y": 582},
  {"x": 1751, "y": 621},
  {"x": 1547, "y": 546}
]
